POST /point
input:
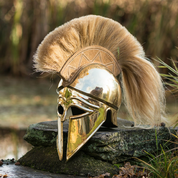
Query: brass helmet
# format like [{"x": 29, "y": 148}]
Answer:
[
  {"x": 94, "y": 56},
  {"x": 86, "y": 100}
]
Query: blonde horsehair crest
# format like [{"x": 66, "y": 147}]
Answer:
[{"x": 142, "y": 85}]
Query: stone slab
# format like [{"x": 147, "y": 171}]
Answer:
[
  {"x": 44, "y": 133},
  {"x": 111, "y": 145}
]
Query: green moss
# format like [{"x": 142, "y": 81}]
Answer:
[{"x": 40, "y": 137}]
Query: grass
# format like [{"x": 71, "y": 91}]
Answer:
[
  {"x": 165, "y": 165},
  {"x": 171, "y": 81},
  {"x": 172, "y": 77}
]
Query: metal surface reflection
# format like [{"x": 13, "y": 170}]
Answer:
[
  {"x": 99, "y": 83},
  {"x": 86, "y": 103}
]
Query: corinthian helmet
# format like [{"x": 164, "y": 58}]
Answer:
[{"x": 95, "y": 57}]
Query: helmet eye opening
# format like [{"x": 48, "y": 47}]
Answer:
[
  {"x": 77, "y": 111},
  {"x": 60, "y": 109}
]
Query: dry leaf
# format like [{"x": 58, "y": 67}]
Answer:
[
  {"x": 175, "y": 175},
  {"x": 17, "y": 163},
  {"x": 129, "y": 171},
  {"x": 3, "y": 176},
  {"x": 103, "y": 175}
]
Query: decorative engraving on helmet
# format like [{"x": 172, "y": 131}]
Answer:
[{"x": 87, "y": 56}]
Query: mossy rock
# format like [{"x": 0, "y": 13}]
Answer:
[
  {"x": 106, "y": 148},
  {"x": 111, "y": 145},
  {"x": 42, "y": 134}
]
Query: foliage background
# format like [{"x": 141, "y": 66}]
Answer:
[{"x": 24, "y": 24}]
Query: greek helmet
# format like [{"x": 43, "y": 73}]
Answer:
[{"x": 95, "y": 57}]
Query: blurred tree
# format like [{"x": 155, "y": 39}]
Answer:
[{"x": 24, "y": 23}]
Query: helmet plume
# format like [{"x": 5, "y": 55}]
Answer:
[{"x": 142, "y": 86}]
